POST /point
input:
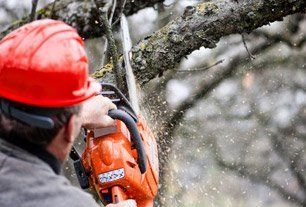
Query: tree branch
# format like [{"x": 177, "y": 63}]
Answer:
[
  {"x": 80, "y": 14},
  {"x": 204, "y": 25},
  {"x": 33, "y": 10},
  {"x": 221, "y": 73},
  {"x": 113, "y": 49}
]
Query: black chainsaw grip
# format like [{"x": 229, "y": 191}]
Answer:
[{"x": 132, "y": 127}]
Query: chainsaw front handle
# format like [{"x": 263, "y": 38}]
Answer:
[{"x": 135, "y": 136}]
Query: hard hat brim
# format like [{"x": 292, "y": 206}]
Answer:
[{"x": 93, "y": 88}]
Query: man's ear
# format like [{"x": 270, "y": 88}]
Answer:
[{"x": 69, "y": 129}]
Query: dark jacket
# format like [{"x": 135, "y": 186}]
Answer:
[{"x": 28, "y": 180}]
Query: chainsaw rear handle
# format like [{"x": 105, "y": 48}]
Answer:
[{"x": 135, "y": 135}]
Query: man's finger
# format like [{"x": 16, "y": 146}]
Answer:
[{"x": 112, "y": 106}]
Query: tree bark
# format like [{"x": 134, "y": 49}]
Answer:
[{"x": 81, "y": 14}]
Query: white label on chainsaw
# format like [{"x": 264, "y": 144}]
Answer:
[{"x": 111, "y": 176}]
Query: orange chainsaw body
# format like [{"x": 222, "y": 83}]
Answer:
[{"x": 111, "y": 163}]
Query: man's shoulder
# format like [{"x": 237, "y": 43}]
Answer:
[
  {"x": 35, "y": 184},
  {"x": 42, "y": 189}
]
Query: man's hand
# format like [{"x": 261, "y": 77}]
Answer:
[
  {"x": 127, "y": 203},
  {"x": 94, "y": 112}
]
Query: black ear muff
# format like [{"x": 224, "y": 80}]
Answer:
[{"x": 34, "y": 120}]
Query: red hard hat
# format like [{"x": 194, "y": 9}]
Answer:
[{"x": 44, "y": 64}]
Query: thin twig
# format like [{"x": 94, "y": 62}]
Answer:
[
  {"x": 112, "y": 46},
  {"x": 202, "y": 68},
  {"x": 113, "y": 11},
  {"x": 105, "y": 46},
  {"x": 246, "y": 47},
  {"x": 120, "y": 13},
  {"x": 33, "y": 10},
  {"x": 52, "y": 9}
]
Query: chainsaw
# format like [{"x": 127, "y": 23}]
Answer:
[{"x": 120, "y": 162}]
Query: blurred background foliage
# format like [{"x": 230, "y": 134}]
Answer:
[{"x": 240, "y": 140}]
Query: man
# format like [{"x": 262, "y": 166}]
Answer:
[{"x": 45, "y": 98}]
